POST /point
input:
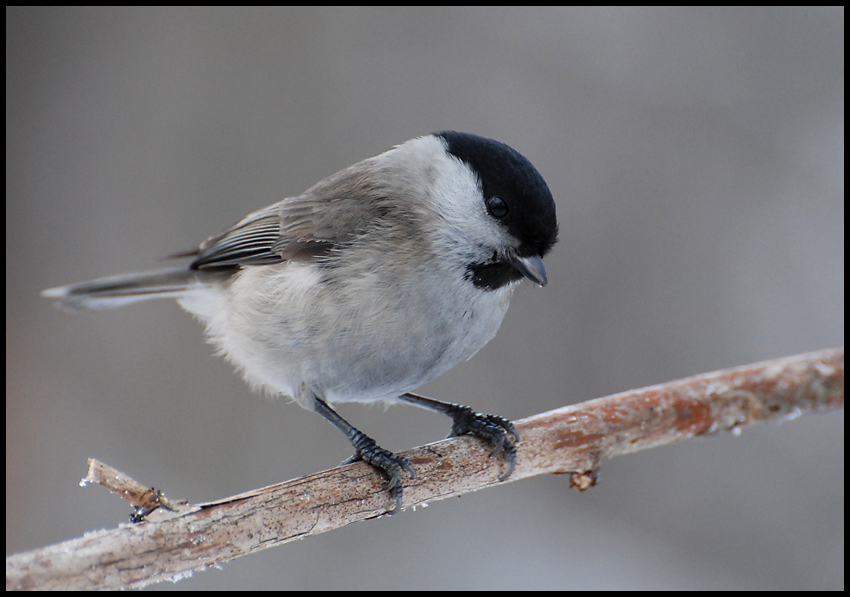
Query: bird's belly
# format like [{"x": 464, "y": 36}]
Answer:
[{"x": 310, "y": 341}]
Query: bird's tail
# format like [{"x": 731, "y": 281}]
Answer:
[{"x": 116, "y": 291}]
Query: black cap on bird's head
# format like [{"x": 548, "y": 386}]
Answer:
[{"x": 515, "y": 195}]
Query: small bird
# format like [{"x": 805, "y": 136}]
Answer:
[{"x": 374, "y": 281}]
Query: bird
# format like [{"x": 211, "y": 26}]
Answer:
[{"x": 374, "y": 281}]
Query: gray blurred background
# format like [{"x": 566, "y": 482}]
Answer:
[{"x": 697, "y": 161}]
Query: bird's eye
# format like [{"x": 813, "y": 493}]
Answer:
[{"x": 497, "y": 207}]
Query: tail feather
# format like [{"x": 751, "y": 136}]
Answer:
[{"x": 123, "y": 289}]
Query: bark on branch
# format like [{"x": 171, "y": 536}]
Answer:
[{"x": 178, "y": 538}]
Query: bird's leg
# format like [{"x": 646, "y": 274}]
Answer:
[
  {"x": 496, "y": 430},
  {"x": 368, "y": 451}
]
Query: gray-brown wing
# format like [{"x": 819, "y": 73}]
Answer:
[{"x": 297, "y": 228}]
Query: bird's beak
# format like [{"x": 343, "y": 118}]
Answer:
[{"x": 532, "y": 268}]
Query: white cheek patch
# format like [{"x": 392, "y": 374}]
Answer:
[{"x": 460, "y": 205}]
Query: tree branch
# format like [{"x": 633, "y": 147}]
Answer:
[{"x": 180, "y": 538}]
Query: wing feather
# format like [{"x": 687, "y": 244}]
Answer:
[{"x": 301, "y": 227}]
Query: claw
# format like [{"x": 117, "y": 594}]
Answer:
[
  {"x": 497, "y": 430},
  {"x": 388, "y": 463},
  {"x": 366, "y": 450}
]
